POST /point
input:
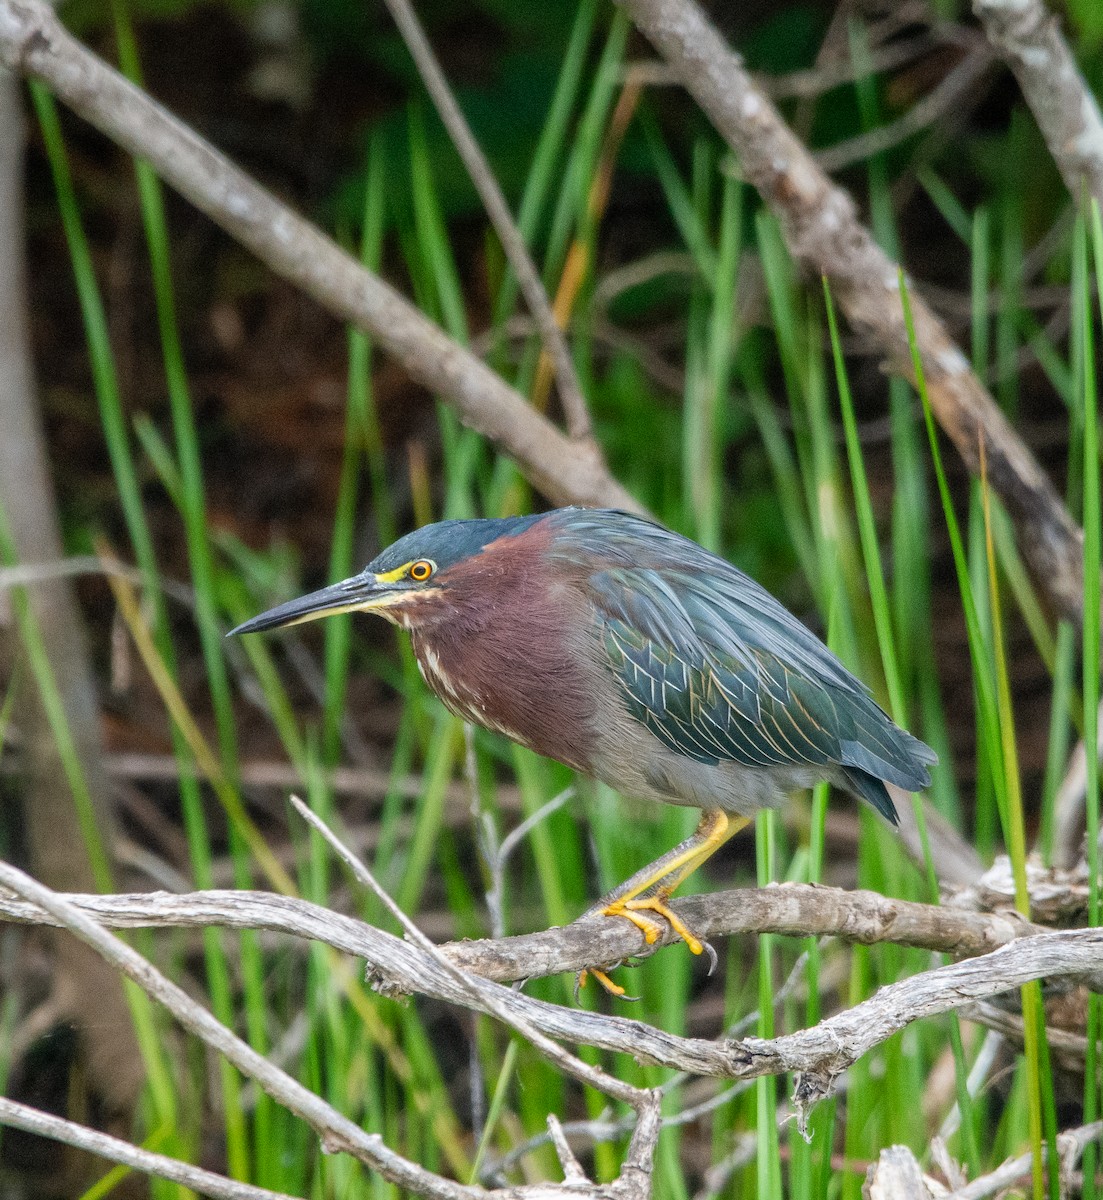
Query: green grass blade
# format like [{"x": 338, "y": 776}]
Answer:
[{"x": 1093, "y": 540}]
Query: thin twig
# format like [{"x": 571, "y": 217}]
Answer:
[
  {"x": 923, "y": 113},
  {"x": 89, "y": 564},
  {"x": 480, "y": 994},
  {"x": 1070, "y": 1146},
  {"x": 513, "y": 243}
]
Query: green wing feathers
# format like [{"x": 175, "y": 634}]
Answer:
[{"x": 714, "y": 668}]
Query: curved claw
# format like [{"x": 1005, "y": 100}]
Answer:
[{"x": 714, "y": 961}]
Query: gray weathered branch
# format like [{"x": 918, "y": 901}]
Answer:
[
  {"x": 820, "y": 1053},
  {"x": 337, "y": 1132},
  {"x": 1029, "y": 37},
  {"x": 205, "y": 1183},
  {"x": 34, "y": 43},
  {"x": 793, "y": 910}
]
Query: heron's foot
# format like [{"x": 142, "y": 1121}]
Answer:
[
  {"x": 602, "y": 977},
  {"x": 635, "y": 910}
]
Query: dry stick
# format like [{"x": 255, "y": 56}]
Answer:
[
  {"x": 480, "y": 996},
  {"x": 336, "y": 1131},
  {"x": 821, "y": 1053},
  {"x": 206, "y": 1183},
  {"x": 824, "y": 235},
  {"x": 532, "y": 288},
  {"x": 791, "y": 910},
  {"x": 34, "y": 43},
  {"x": 1029, "y": 37},
  {"x": 1070, "y": 1146}
]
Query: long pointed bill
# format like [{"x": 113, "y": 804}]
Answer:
[{"x": 362, "y": 593}]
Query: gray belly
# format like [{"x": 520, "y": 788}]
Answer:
[{"x": 632, "y": 760}]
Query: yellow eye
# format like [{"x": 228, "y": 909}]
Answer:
[{"x": 421, "y": 570}]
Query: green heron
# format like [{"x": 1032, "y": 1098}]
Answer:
[{"x": 636, "y": 656}]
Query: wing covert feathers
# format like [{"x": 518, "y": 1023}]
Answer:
[{"x": 718, "y": 670}]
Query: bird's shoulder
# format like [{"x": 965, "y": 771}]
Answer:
[{"x": 670, "y": 591}]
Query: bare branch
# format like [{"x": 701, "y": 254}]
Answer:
[
  {"x": 1070, "y": 1146},
  {"x": 34, "y": 43},
  {"x": 479, "y": 996},
  {"x": 528, "y": 278},
  {"x": 337, "y": 1132},
  {"x": 825, "y": 236},
  {"x": 821, "y": 1052},
  {"x": 1029, "y": 37},
  {"x": 206, "y": 1183},
  {"x": 792, "y": 910}
]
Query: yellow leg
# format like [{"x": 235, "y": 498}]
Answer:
[{"x": 648, "y": 890}]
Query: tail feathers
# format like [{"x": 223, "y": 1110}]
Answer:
[
  {"x": 871, "y": 789},
  {"x": 904, "y": 763}
]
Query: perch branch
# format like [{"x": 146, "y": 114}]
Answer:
[
  {"x": 792, "y": 910},
  {"x": 1029, "y": 37},
  {"x": 34, "y": 43},
  {"x": 821, "y": 1053},
  {"x": 824, "y": 234}
]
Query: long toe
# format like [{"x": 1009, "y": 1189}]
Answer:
[
  {"x": 629, "y": 909},
  {"x": 658, "y": 905},
  {"x": 614, "y": 989}
]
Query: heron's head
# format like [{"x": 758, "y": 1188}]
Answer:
[{"x": 406, "y": 581}]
